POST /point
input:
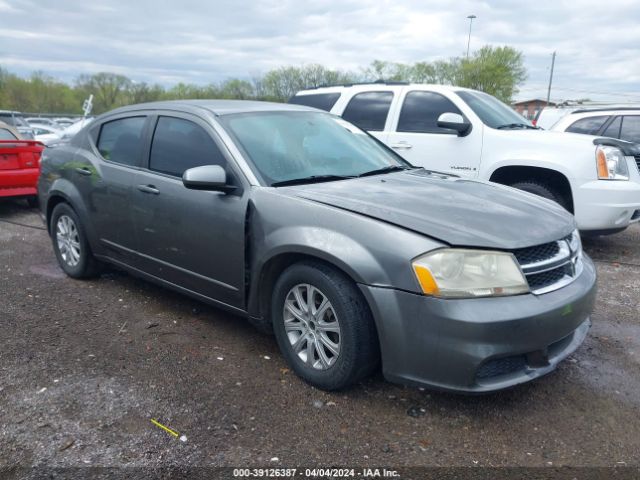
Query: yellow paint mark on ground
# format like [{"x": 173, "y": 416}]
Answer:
[{"x": 166, "y": 429}]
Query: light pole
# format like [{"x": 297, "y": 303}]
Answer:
[{"x": 470, "y": 17}]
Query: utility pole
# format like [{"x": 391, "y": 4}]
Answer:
[
  {"x": 470, "y": 17},
  {"x": 553, "y": 61}
]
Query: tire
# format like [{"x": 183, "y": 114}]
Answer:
[
  {"x": 33, "y": 202},
  {"x": 70, "y": 243},
  {"x": 542, "y": 190},
  {"x": 346, "y": 322}
]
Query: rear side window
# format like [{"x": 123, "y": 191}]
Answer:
[
  {"x": 630, "y": 128},
  {"x": 613, "y": 130},
  {"x": 120, "y": 141},
  {"x": 588, "y": 126},
  {"x": 323, "y": 101},
  {"x": 179, "y": 145},
  {"x": 421, "y": 110},
  {"x": 369, "y": 110},
  {"x": 6, "y": 135}
]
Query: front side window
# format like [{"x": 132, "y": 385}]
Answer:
[
  {"x": 120, "y": 141},
  {"x": 492, "y": 111},
  {"x": 179, "y": 145},
  {"x": 588, "y": 126},
  {"x": 369, "y": 110},
  {"x": 6, "y": 135},
  {"x": 421, "y": 110},
  {"x": 630, "y": 128},
  {"x": 285, "y": 146},
  {"x": 323, "y": 101}
]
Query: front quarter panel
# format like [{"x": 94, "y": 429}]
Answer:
[{"x": 370, "y": 251}]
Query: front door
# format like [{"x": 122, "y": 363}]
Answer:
[
  {"x": 193, "y": 239},
  {"x": 415, "y": 135}
]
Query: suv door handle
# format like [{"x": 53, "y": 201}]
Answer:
[
  {"x": 149, "y": 189},
  {"x": 402, "y": 146},
  {"x": 83, "y": 171}
]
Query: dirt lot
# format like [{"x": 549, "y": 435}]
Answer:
[{"x": 85, "y": 365}]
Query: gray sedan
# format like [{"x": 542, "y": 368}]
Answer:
[{"x": 312, "y": 229}]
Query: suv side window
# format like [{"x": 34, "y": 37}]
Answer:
[
  {"x": 613, "y": 130},
  {"x": 120, "y": 141},
  {"x": 179, "y": 145},
  {"x": 588, "y": 126},
  {"x": 420, "y": 112},
  {"x": 323, "y": 101},
  {"x": 630, "y": 128},
  {"x": 369, "y": 110}
]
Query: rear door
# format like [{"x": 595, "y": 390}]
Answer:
[
  {"x": 416, "y": 136},
  {"x": 193, "y": 239},
  {"x": 106, "y": 180},
  {"x": 369, "y": 110}
]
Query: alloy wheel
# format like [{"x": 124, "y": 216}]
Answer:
[
  {"x": 68, "y": 240},
  {"x": 312, "y": 326}
]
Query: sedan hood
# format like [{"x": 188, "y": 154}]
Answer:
[{"x": 456, "y": 211}]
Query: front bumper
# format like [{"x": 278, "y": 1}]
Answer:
[
  {"x": 484, "y": 344},
  {"x": 612, "y": 205}
]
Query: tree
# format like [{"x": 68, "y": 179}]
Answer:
[
  {"x": 494, "y": 70},
  {"x": 107, "y": 89}
]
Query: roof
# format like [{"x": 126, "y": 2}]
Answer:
[
  {"x": 217, "y": 107},
  {"x": 383, "y": 86}
]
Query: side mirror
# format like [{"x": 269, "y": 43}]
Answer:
[
  {"x": 207, "y": 177},
  {"x": 454, "y": 121}
]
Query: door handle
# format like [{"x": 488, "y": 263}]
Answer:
[
  {"x": 148, "y": 189},
  {"x": 402, "y": 146},
  {"x": 83, "y": 171}
]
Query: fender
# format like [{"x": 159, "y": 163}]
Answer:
[
  {"x": 513, "y": 162},
  {"x": 61, "y": 187}
]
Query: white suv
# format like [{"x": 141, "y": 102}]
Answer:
[
  {"x": 621, "y": 122},
  {"x": 472, "y": 134}
]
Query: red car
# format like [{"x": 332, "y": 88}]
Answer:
[{"x": 19, "y": 165}]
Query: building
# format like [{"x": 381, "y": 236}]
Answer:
[{"x": 530, "y": 108}]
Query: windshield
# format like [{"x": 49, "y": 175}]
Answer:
[
  {"x": 492, "y": 111},
  {"x": 286, "y": 146}
]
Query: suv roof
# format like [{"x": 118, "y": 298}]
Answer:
[{"x": 378, "y": 85}]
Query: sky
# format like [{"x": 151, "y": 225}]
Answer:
[{"x": 170, "y": 41}]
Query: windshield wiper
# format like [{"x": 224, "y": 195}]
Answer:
[
  {"x": 311, "y": 179},
  {"x": 517, "y": 125},
  {"x": 387, "y": 169}
]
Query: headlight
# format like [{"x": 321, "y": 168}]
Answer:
[
  {"x": 459, "y": 273},
  {"x": 611, "y": 163}
]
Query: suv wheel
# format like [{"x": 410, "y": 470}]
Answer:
[
  {"x": 542, "y": 190},
  {"x": 70, "y": 243},
  {"x": 323, "y": 326}
]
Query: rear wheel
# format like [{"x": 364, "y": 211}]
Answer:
[
  {"x": 70, "y": 243},
  {"x": 542, "y": 190},
  {"x": 323, "y": 326}
]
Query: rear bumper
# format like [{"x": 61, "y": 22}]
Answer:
[
  {"x": 14, "y": 183},
  {"x": 480, "y": 345},
  {"x": 607, "y": 205}
]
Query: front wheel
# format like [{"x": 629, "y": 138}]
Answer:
[
  {"x": 543, "y": 190},
  {"x": 70, "y": 243},
  {"x": 323, "y": 326}
]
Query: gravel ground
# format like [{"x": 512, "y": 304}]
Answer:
[{"x": 85, "y": 365}]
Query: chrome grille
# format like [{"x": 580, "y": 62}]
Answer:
[
  {"x": 637, "y": 157},
  {"x": 552, "y": 265}
]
